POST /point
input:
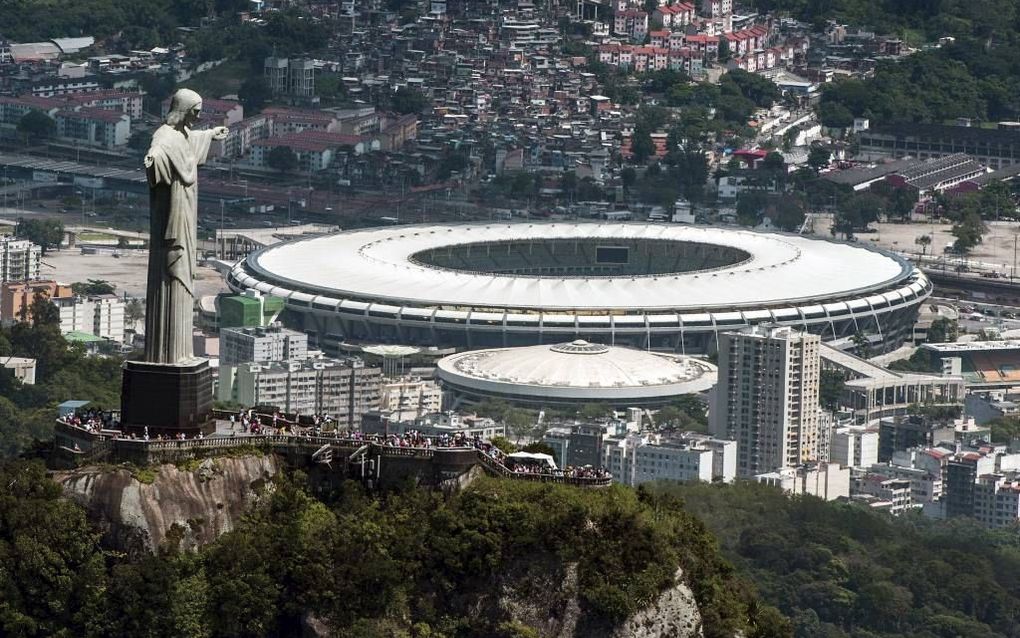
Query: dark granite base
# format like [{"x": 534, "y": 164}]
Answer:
[{"x": 166, "y": 398}]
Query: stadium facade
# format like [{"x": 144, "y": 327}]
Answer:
[{"x": 654, "y": 286}]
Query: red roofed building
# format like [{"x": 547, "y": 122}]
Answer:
[
  {"x": 291, "y": 120},
  {"x": 315, "y": 150},
  {"x": 93, "y": 126},
  {"x": 659, "y": 38},
  {"x": 631, "y": 23},
  {"x": 675, "y": 16},
  {"x": 12, "y": 109},
  {"x": 127, "y": 102},
  {"x": 706, "y": 45}
]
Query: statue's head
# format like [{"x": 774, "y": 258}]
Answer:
[{"x": 185, "y": 108}]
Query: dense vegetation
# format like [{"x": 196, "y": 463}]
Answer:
[
  {"x": 841, "y": 571},
  {"x": 976, "y": 76},
  {"x": 408, "y": 563},
  {"x": 913, "y": 19},
  {"x": 63, "y": 372}
]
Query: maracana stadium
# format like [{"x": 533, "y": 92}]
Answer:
[{"x": 666, "y": 287}]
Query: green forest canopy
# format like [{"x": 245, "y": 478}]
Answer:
[
  {"x": 407, "y": 563},
  {"x": 841, "y": 571}
]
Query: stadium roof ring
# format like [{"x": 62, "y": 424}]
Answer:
[{"x": 653, "y": 285}]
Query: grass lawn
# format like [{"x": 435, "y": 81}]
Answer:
[{"x": 96, "y": 237}]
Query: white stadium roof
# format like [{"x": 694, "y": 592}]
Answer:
[
  {"x": 376, "y": 265},
  {"x": 575, "y": 370}
]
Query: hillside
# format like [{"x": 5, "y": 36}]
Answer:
[
  {"x": 499, "y": 559},
  {"x": 840, "y": 571}
]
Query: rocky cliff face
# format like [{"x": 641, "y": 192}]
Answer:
[
  {"x": 543, "y": 595},
  {"x": 193, "y": 506}
]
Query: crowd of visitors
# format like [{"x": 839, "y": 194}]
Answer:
[
  {"x": 91, "y": 420},
  {"x": 248, "y": 422}
]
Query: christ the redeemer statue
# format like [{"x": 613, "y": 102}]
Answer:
[{"x": 172, "y": 167}]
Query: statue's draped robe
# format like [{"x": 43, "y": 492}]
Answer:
[{"x": 173, "y": 209}]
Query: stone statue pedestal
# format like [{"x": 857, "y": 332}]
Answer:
[{"x": 167, "y": 398}]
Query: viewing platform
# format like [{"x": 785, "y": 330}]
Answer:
[{"x": 372, "y": 459}]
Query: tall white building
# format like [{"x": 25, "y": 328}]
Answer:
[
  {"x": 767, "y": 398},
  {"x": 854, "y": 446},
  {"x": 19, "y": 260},
  {"x": 262, "y": 344}
]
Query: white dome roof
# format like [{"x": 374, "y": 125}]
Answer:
[{"x": 579, "y": 369}]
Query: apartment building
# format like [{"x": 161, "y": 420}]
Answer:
[
  {"x": 343, "y": 389},
  {"x": 408, "y": 398},
  {"x": 854, "y": 446},
  {"x": 997, "y": 499},
  {"x": 262, "y": 344},
  {"x": 641, "y": 458},
  {"x": 293, "y": 76},
  {"x": 767, "y": 398},
  {"x": 99, "y": 315},
  {"x": 20, "y": 260}
]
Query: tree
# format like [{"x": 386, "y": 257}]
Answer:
[
  {"x": 830, "y": 389},
  {"x": 282, "y": 158},
  {"x": 330, "y": 88},
  {"x": 628, "y": 176},
  {"x": 539, "y": 448},
  {"x": 92, "y": 287},
  {"x": 724, "y": 50},
  {"x": 407, "y": 100},
  {"x": 787, "y": 212},
  {"x": 968, "y": 232},
  {"x": 943, "y": 330},
  {"x": 818, "y": 158},
  {"x": 36, "y": 125},
  {"x": 140, "y": 140},
  {"x": 856, "y": 212},
  {"x": 923, "y": 241},
  {"x": 641, "y": 145},
  {"x": 47, "y": 233},
  {"x": 134, "y": 311},
  {"x": 594, "y": 411},
  {"x": 43, "y": 312},
  {"x": 253, "y": 94},
  {"x": 519, "y": 422},
  {"x": 750, "y": 207},
  {"x": 774, "y": 162}
]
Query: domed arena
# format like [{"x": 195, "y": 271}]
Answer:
[
  {"x": 664, "y": 287},
  {"x": 571, "y": 374}
]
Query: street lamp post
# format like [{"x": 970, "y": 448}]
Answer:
[{"x": 1013, "y": 272}]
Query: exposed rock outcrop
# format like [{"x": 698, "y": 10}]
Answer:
[
  {"x": 675, "y": 613},
  {"x": 192, "y": 506},
  {"x": 543, "y": 595}
]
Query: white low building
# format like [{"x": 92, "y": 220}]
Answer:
[
  {"x": 23, "y": 368},
  {"x": 827, "y": 481},
  {"x": 99, "y": 315},
  {"x": 409, "y": 398},
  {"x": 642, "y": 458}
]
